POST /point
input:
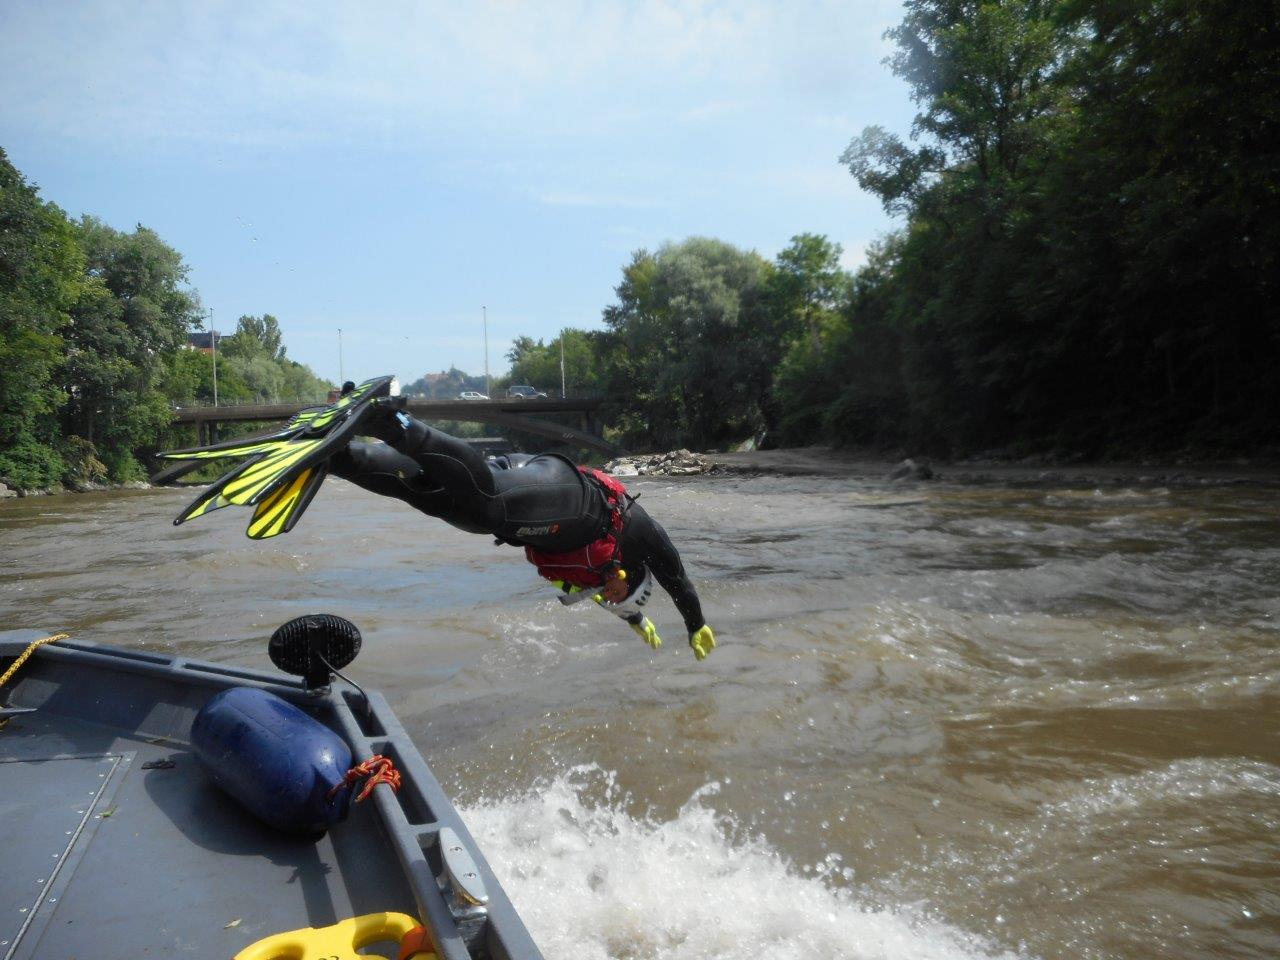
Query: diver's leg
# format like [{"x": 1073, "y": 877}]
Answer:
[
  {"x": 542, "y": 501},
  {"x": 380, "y": 469},
  {"x": 453, "y": 465},
  {"x": 376, "y": 467}
]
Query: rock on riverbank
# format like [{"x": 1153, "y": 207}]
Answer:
[
  {"x": 910, "y": 470},
  {"x": 6, "y": 491},
  {"x": 676, "y": 463}
]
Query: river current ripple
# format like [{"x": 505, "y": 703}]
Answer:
[{"x": 943, "y": 721}]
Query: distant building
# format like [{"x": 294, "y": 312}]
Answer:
[{"x": 203, "y": 340}]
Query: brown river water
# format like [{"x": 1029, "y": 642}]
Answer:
[{"x": 944, "y": 721}]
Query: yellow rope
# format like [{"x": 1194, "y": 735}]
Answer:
[{"x": 26, "y": 654}]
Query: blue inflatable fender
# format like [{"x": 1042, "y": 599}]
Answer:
[{"x": 277, "y": 761}]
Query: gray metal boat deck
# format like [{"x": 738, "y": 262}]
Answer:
[{"x": 114, "y": 843}]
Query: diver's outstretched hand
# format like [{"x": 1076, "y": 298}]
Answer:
[
  {"x": 647, "y": 632},
  {"x": 703, "y": 641}
]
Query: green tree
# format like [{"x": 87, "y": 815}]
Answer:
[
  {"x": 807, "y": 283},
  {"x": 688, "y": 356},
  {"x": 188, "y": 380},
  {"x": 1089, "y": 259},
  {"x": 1163, "y": 219},
  {"x": 538, "y": 364},
  {"x": 41, "y": 278},
  {"x": 255, "y": 337},
  {"x": 982, "y": 73},
  {"x": 93, "y": 330},
  {"x": 257, "y": 368},
  {"x": 300, "y": 383},
  {"x": 846, "y": 383},
  {"x": 134, "y": 314}
]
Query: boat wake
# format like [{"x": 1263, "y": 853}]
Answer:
[{"x": 594, "y": 882}]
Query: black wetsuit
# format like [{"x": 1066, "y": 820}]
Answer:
[{"x": 541, "y": 501}]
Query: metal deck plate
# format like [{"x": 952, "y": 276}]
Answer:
[
  {"x": 52, "y": 802},
  {"x": 157, "y": 861}
]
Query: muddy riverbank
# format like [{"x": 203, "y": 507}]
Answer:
[{"x": 863, "y": 465}]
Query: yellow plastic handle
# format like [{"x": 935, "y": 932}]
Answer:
[{"x": 341, "y": 941}]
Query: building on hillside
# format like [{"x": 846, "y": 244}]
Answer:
[{"x": 203, "y": 340}]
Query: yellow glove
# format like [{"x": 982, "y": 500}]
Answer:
[
  {"x": 647, "y": 632},
  {"x": 703, "y": 642}
]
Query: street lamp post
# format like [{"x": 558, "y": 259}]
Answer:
[
  {"x": 342, "y": 373},
  {"x": 484, "y": 313},
  {"x": 213, "y": 342},
  {"x": 562, "y": 393}
]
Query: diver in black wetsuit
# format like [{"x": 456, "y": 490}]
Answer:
[{"x": 543, "y": 503}]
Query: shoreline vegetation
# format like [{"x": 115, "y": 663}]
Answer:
[
  {"x": 96, "y": 347},
  {"x": 1086, "y": 267}
]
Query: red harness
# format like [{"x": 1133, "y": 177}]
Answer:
[{"x": 587, "y": 566}]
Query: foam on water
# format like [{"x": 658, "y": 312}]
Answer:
[
  {"x": 594, "y": 882},
  {"x": 1181, "y": 783}
]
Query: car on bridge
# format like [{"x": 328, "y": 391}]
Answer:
[
  {"x": 524, "y": 392},
  {"x": 472, "y": 395}
]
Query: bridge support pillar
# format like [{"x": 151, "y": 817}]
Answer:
[{"x": 206, "y": 432}]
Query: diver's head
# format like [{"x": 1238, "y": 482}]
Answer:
[{"x": 348, "y": 387}]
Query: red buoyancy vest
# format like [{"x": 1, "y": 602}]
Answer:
[{"x": 587, "y": 566}]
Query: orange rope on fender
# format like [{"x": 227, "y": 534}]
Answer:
[{"x": 378, "y": 769}]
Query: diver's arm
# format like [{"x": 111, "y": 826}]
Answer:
[
  {"x": 637, "y": 621},
  {"x": 645, "y": 542}
]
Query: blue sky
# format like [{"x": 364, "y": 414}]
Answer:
[{"x": 391, "y": 168}]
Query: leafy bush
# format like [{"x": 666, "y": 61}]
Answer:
[
  {"x": 122, "y": 467},
  {"x": 81, "y": 463},
  {"x": 28, "y": 464}
]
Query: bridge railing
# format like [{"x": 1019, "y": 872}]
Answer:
[
  {"x": 321, "y": 401},
  {"x": 273, "y": 402}
]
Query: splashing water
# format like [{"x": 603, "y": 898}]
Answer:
[{"x": 594, "y": 882}]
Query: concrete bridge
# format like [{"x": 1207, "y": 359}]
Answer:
[{"x": 522, "y": 414}]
